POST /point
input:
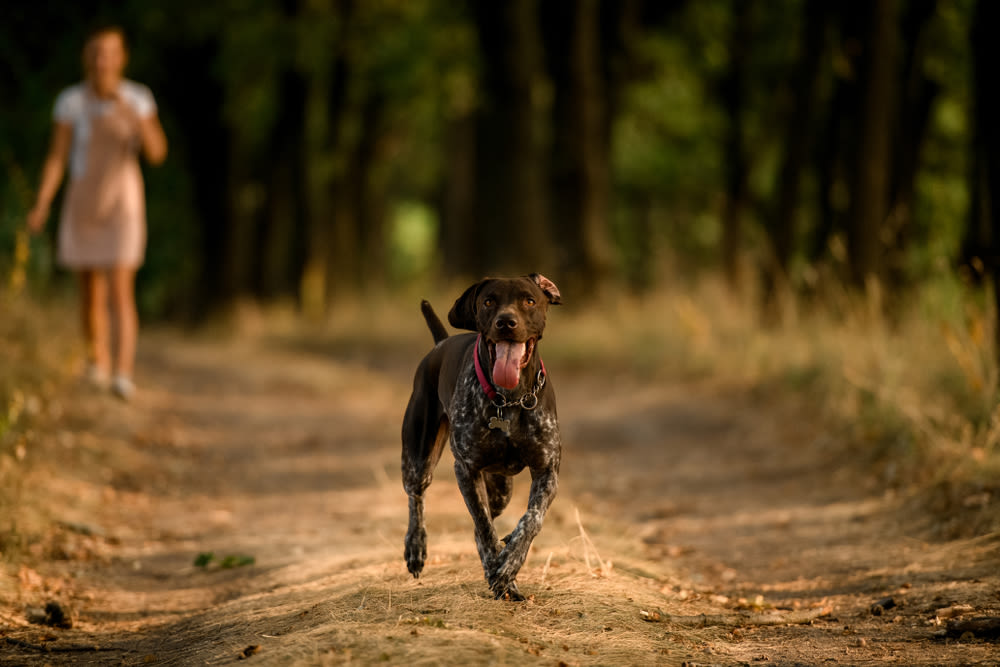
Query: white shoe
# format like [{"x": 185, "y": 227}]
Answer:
[{"x": 123, "y": 387}]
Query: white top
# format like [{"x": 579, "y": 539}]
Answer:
[{"x": 76, "y": 105}]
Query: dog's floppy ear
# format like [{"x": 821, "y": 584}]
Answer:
[
  {"x": 549, "y": 287},
  {"x": 463, "y": 313}
]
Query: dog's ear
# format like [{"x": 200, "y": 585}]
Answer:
[
  {"x": 549, "y": 287},
  {"x": 463, "y": 314}
]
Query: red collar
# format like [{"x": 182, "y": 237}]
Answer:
[{"x": 487, "y": 386}]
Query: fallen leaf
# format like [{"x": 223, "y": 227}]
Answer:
[{"x": 249, "y": 651}]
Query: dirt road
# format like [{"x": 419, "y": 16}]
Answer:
[{"x": 695, "y": 524}]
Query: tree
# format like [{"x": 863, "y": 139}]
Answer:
[
  {"x": 799, "y": 122},
  {"x": 511, "y": 233},
  {"x": 917, "y": 93},
  {"x": 734, "y": 100},
  {"x": 580, "y": 152},
  {"x": 870, "y": 191},
  {"x": 984, "y": 225}
]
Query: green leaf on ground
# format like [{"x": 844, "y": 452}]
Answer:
[{"x": 232, "y": 561}]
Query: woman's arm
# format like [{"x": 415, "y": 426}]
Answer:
[
  {"x": 153, "y": 140},
  {"x": 52, "y": 175}
]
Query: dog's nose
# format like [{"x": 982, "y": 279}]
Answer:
[{"x": 506, "y": 321}]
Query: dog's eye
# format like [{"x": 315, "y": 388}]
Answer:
[
  {"x": 530, "y": 301},
  {"x": 488, "y": 302}
]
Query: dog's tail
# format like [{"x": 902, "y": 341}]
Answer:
[{"x": 433, "y": 323}]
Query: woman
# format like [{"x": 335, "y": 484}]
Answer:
[{"x": 100, "y": 127}]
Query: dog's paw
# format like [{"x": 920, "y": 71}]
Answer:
[
  {"x": 508, "y": 592},
  {"x": 502, "y": 582},
  {"x": 416, "y": 552}
]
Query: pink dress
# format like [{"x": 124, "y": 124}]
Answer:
[{"x": 103, "y": 221}]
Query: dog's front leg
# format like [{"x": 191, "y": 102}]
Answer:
[
  {"x": 473, "y": 487},
  {"x": 544, "y": 484}
]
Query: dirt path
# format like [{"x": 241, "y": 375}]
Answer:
[{"x": 712, "y": 529}]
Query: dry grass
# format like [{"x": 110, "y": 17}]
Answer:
[
  {"x": 370, "y": 610},
  {"x": 909, "y": 386},
  {"x": 349, "y": 599},
  {"x": 35, "y": 356},
  {"x": 918, "y": 394},
  {"x": 918, "y": 390}
]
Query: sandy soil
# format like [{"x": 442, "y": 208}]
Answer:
[{"x": 696, "y": 524}]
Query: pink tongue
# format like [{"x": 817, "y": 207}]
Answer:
[{"x": 507, "y": 369}]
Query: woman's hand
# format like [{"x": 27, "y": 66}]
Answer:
[
  {"x": 152, "y": 140},
  {"x": 52, "y": 174},
  {"x": 37, "y": 218}
]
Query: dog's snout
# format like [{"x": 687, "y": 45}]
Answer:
[{"x": 506, "y": 321}]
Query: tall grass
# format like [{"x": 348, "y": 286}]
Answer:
[
  {"x": 910, "y": 382},
  {"x": 36, "y": 351},
  {"x": 913, "y": 382}
]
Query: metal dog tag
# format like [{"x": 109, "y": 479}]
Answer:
[{"x": 502, "y": 424}]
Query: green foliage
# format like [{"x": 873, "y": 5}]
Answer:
[
  {"x": 207, "y": 558},
  {"x": 419, "y": 59},
  {"x": 203, "y": 559},
  {"x": 942, "y": 195},
  {"x": 412, "y": 239}
]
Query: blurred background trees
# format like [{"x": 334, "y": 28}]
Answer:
[{"x": 324, "y": 146}]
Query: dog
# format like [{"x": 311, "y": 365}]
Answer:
[{"x": 490, "y": 392}]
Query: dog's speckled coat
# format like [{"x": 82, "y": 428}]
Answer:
[{"x": 448, "y": 399}]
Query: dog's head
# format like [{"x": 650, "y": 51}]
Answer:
[{"x": 510, "y": 315}]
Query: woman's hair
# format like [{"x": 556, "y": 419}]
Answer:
[{"x": 106, "y": 28}]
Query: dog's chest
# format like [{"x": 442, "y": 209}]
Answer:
[{"x": 518, "y": 437}]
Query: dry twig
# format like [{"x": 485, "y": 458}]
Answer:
[
  {"x": 748, "y": 618},
  {"x": 604, "y": 567}
]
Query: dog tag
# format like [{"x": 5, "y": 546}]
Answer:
[{"x": 502, "y": 424}]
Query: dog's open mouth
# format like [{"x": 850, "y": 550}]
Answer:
[{"x": 509, "y": 357}]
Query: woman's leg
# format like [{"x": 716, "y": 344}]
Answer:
[
  {"x": 126, "y": 318},
  {"x": 94, "y": 315}
]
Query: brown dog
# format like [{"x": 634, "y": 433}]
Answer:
[{"x": 492, "y": 394}]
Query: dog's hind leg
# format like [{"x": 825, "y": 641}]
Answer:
[
  {"x": 499, "y": 489},
  {"x": 424, "y": 433}
]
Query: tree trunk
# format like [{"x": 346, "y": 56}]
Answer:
[
  {"x": 281, "y": 255},
  {"x": 799, "y": 121},
  {"x": 510, "y": 233},
  {"x": 196, "y": 103},
  {"x": 870, "y": 195},
  {"x": 580, "y": 173},
  {"x": 457, "y": 232},
  {"x": 735, "y": 159},
  {"x": 321, "y": 274},
  {"x": 986, "y": 50},
  {"x": 368, "y": 187},
  {"x": 340, "y": 235},
  {"x": 838, "y": 151},
  {"x": 918, "y": 93}
]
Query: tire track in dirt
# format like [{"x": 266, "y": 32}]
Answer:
[{"x": 700, "y": 501}]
